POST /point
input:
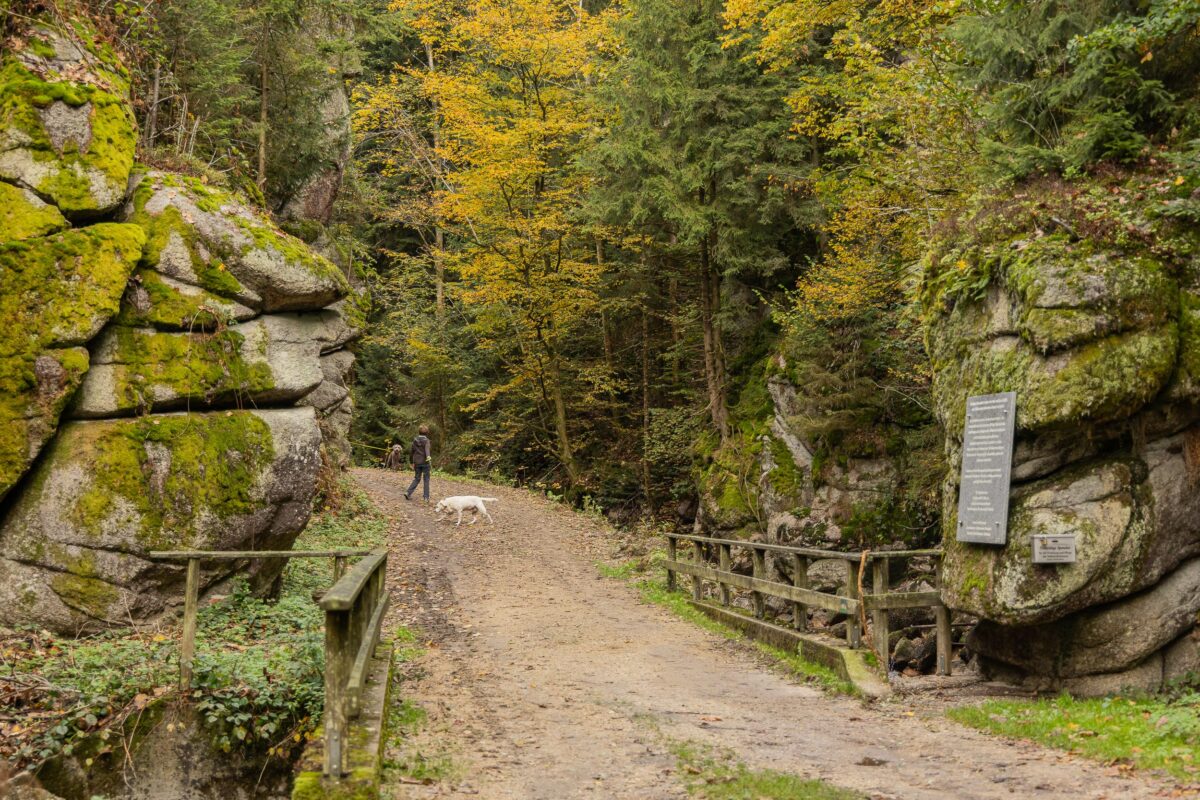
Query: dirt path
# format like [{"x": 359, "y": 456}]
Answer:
[{"x": 545, "y": 681}]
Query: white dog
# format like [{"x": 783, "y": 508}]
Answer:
[{"x": 461, "y": 503}]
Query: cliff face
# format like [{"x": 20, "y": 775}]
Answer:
[
  {"x": 172, "y": 365},
  {"x": 1081, "y": 298},
  {"x": 820, "y": 457}
]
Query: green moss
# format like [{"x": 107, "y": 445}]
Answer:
[
  {"x": 66, "y": 177},
  {"x": 174, "y": 471},
  {"x": 266, "y": 237},
  {"x": 151, "y": 366},
  {"x": 23, "y": 216},
  {"x": 55, "y": 292},
  {"x": 167, "y": 307},
  {"x": 87, "y": 594}
]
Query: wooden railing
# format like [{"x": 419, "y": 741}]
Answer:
[
  {"x": 853, "y": 604},
  {"x": 354, "y": 608}
]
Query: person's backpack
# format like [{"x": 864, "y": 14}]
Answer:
[{"x": 420, "y": 451}]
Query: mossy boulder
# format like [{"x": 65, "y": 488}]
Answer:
[
  {"x": 271, "y": 359},
  {"x": 23, "y": 215},
  {"x": 159, "y": 301},
  {"x": 56, "y": 292},
  {"x": 213, "y": 239},
  {"x": 67, "y": 130},
  {"x": 1108, "y": 638},
  {"x": 1081, "y": 298},
  {"x": 74, "y": 547}
]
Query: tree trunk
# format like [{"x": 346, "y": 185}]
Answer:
[
  {"x": 152, "y": 112},
  {"x": 714, "y": 358},
  {"x": 439, "y": 272},
  {"x": 646, "y": 488},
  {"x": 565, "y": 452},
  {"x": 262, "y": 122}
]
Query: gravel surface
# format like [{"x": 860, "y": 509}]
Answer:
[{"x": 544, "y": 680}]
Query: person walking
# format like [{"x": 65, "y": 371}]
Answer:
[
  {"x": 421, "y": 455},
  {"x": 395, "y": 457}
]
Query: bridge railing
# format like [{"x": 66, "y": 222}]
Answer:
[
  {"x": 879, "y": 600},
  {"x": 354, "y": 607}
]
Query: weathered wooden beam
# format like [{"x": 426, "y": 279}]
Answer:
[
  {"x": 672, "y": 555},
  {"x": 902, "y": 600},
  {"x": 362, "y": 659},
  {"x": 944, "y": 639},
  {"x": 811, "y": 552},
  {"x": 879, "y": 616},
  {"x": 341, "y": 595},
  {"x": 853, "y": 624},
  {"x": 187, "y": 648},
  {"x": 832, "y": 602},
  {"x": 697, "y": 581},
  {"x": 337, "y": 634},
  {"x": 800, "y": 581},
  {"x": 759, "y": 601},
  {"x": 234, "y": 555},
  {"x": 726, "y": 562}
]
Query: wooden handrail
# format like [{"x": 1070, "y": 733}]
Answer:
[
  {"x": 341, "y": 596},
  {"x": 810, "y": 552},
  {"x": 237, "y": 555},
  {"x": 354, "y": 609},
  {"x": 802, "y": 598}
]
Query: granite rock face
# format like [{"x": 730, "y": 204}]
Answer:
[
  {"x": 74, "y": 547},
  {"x": 172, "y": 364},
  {"x": 1095, "y": 334}
]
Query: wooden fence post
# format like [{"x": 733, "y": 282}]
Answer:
[
  {"x": 944, "y": 639},
  {"x": 339, "y": 567},
  {"x": 944, "y": 632},
  {"x": 879, "y": 617},
  {"x": 853, "y": 626},
  {"x": 697, "y": 581},
  {"x": 187, "y": 648},
  {"x": 726, "y": 566},
  {"x": 800, "y": 581},
  {"x": 337, "y": 669},
  {"x": 760, "y": 572},
  {"x": 671, "y": 556}
]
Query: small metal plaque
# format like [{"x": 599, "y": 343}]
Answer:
[
  {"x": 1058, "y": 549},
  {"x": 986, "y": 468}
]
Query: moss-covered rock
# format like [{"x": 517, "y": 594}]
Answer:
[
  {"x": 24, "y": 216},
  {"x": 271, "y": 359},
  {"x": 67, "y": 129},
  {"x": 74, "y": 547},
  {"x": 212, "y": 239},
  {"x": 159, "y": 301},
  {"x": 56, "y": 292},
  {"x": 1080, "y": 297}
]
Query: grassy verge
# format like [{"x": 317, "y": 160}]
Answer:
[
  {"x": 710, "y": 776},
  {"x": 258, "y": 667},
  {"x": 404, "y": 760},
  {"x": 646, "y": 576},
  {"x": 1161, "y": 733}
]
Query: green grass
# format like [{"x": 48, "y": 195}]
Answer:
[
  {"x": 403, "y": 759},
  {"x": 653, "y": 589},
  {"x": 710, "y": 776},
  {"x": 1147, "y": 733}
]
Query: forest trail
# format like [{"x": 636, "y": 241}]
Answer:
[{"x": 543, "y": 680}]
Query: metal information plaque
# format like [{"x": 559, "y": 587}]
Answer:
[
  {"x": 1049, "y": 549},
  {"x": 986, "y": 468}
]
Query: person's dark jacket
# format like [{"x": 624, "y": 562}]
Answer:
[{"x": 420, "y": 452}]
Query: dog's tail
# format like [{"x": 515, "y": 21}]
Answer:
[{"x": 490, "y": 499}]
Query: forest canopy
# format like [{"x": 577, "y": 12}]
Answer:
[{"x": 596, "y": 233}]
